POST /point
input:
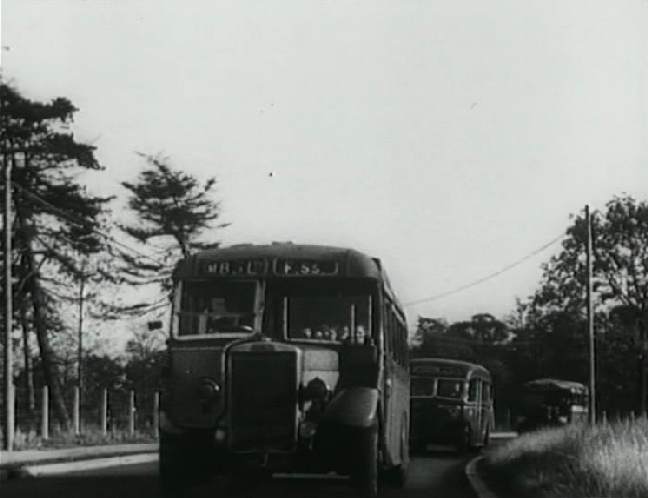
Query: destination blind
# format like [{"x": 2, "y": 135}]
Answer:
[
  {"x": 256, "y": 267},
  {"x": 437, "y": 370}
]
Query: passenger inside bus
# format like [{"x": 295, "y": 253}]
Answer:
[
  {"x": 449, "y": 388},
  {"x": 328, "y": 319}
]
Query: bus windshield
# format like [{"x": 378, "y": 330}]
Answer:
[
  {"x": 422, "y": 386},
  {"x": 449, "y": 388},
  {"x": 327, "y": 314},
  {"x": 217, "y": 307}
]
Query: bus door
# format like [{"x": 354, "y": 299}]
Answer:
[
  {"x": 473, "y": 415},
  {"x": 486, "y": 405},
  {"x": 396, "y": 383},
  {"x": 389, "y": 372}
]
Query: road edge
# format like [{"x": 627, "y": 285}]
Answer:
[
  {"x": 477, "y": 483},
  {"x": 53, "y": 468}
]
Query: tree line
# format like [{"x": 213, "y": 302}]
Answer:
[
  {"x": 546, "y": 335},
  {"x": 64, "y": 237}
]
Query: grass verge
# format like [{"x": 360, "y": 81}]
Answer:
[
  {"x": 605, "y": 460},
  {"x": 91, "y": 436}
]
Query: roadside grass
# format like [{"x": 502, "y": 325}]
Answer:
[
  {"x": 90, "y": 436},
  {"x": 577, "y": 461}
]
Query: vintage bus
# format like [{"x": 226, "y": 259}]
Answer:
[
  {"x": 285, "y": 358},
  {"x": 451, "y": 403},
  {"x": 551, "y": 402}
]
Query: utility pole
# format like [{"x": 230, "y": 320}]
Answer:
[
  {"x": 643, "y": 363},
  {"x": 590, "y": 323},
  {"x": 8, "y": 417},
  {"x": 80, "y": 340}
]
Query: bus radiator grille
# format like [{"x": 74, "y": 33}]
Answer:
[{"x": 263, "y": 400}]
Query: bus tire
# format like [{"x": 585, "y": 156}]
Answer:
[
  {"x": 182, "y": 463},
  {"x": 172, "y": 469},
  {"x": 365, "y": 473}
]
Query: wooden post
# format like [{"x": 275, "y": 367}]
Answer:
[
  {"x": 103, "y": 415},
  {"x": 156, "y": 414},
  {"x": 45, "y": 413},
  {"x": 76, "y": 412},
  {"x": 131, "y": 413}
]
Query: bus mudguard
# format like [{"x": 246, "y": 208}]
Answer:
[{"x": 353, "y": 407}]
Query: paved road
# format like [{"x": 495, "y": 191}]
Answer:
[{"x": 438, "y": 475}]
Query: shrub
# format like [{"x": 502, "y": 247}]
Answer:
[{"x": 605, "y": 460}]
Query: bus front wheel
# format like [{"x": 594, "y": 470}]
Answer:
[
  {"x": 182, "y": 463},
  {"x": 172, "y": 469},
  {"x": 365, "y": 474}
]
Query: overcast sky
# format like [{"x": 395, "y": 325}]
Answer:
[{"x": 448, "y": 138}]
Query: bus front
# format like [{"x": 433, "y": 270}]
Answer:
[
  {"x": 263, "y": 354},
  {"x": 438, "y": 391}
]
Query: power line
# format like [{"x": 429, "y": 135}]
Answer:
[
  {"x": 487, "y": 277},
  {"x": 84, "y": 223}
]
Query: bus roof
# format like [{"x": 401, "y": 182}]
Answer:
[
  {"x": 349, "y": 262},
  {"x": 549, "y": 383},
  {"x": 465, "y": 366}
]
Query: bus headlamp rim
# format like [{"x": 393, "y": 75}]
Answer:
[{"x": 208, "y": 389}]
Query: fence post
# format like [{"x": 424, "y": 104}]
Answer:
[
  {"x": 156, "y": 414},
  {"x": 131, "y": 412},
  {"x": 103, "y": 408},
  {"x": 76, "y": 411},
  {"x": 45, "y": 413}
]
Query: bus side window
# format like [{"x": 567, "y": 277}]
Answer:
[
  {"x": 405, "y": 346},
  {"x": 402, "y": 344},
  {"x": 473, "y": 387},
  {"x": 392, "y": 333},
  {"x": 397, "y": 341},
  {"x": 387, "y": 329}
]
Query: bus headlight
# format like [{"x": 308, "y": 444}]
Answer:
[
  {"x": 220, "y": 435},
  {"x": 208, "y": 390},
  {"x": 315, "y": 390},
  {"x": 313, "y": 397}
]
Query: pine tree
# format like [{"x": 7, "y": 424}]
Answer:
[
  {"x": 175, "y": 214},
  {"x": 56, "y": 221}
]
